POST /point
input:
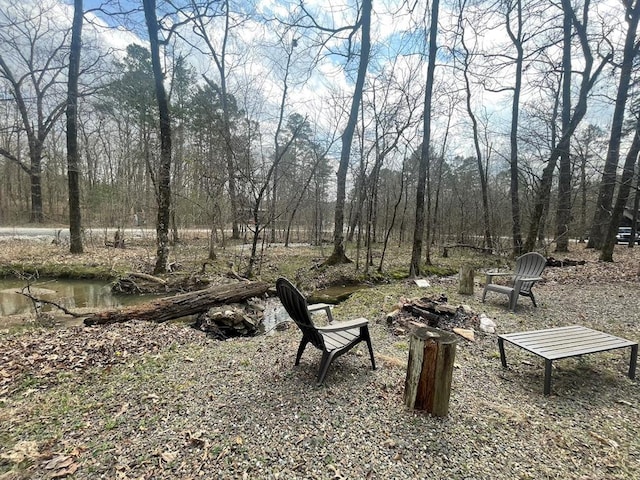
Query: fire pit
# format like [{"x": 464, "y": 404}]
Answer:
[{"x": 431, "y": 311}]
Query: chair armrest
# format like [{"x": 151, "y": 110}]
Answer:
[
  {"x": 339, "y": 326},
  {"x": 529, "y": 279},
  {"x": 317, "y": 307},
  {"x": 490, "y": 275}
]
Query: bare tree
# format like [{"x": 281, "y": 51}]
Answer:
[
  {"x": 364, "y": 23},
  {"x": 163, "y": 187},
  {"x": 623, "y": 194},
  {"x": 418, "y": 233},
  {"x": 202, "y": 16},
  {"x": 563, "y": 215},
  {"x": 280, "y": 149},
  {"x": 73, "y": 154},
  {"x": 32, "y": 62},
  {"x": 602, "y": 216},
  {"x": 466, "y": 62},
  {"x": 517, "y": 38},
  {"x": 588, "y": 78}
]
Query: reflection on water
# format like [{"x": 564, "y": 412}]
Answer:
[
  {"x": 71, "y": 294},
  {"x": 335, "y": 294},
  {"x": 274, "y": 314}
]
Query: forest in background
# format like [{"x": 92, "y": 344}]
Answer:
[{"x": 506, "y": 125}]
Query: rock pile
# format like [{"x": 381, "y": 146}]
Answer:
[{"x": 234, "y": 320}]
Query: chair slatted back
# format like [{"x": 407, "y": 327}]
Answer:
[
  {"x": 529, "y": 265},
  {"x": 296, "y": 306}
]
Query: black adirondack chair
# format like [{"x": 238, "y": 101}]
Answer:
[{"x": 333, "y": 340}]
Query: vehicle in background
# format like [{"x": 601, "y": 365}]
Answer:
[{"x": 624, "y": 235}]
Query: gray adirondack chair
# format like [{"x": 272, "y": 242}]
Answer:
[
  {"x": 528, "y": 269},
  {"x": 333, "y": 340}
]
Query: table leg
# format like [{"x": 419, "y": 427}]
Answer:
[
  {"x": 632, "y": 361},
  {"x": 503, "y": 359},
  {"x": 547, "y": 377}
]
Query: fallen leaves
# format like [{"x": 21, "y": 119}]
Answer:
[
  {"x": 62, "y": 465},
  {"x": 606, "y": 441},
  {"x": 59, "y": 466},
  {"x": 168, "y": 456},
  {"x": 21, "y": 451},
  {"x": 43, "y": 354}
]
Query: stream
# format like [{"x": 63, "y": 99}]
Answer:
[
  {"x": 71, "y": 294},
  {"x": 85, "y": 295}
]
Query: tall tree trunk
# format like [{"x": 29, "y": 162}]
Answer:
[
  {"x": 425, "y": 152},
  {"x": 563, "y": 215},
  {"x": 35, "y": 173},
  {"x": 636, "y": 205},
  {"x": 623, "y": 196},
  {"x": 602, "y": 216},
  {"x": 514, "y": 171},
  {"x": 163, "y": 194},
  {"x": 583, "y": 196},
  {"x": 339, "y": 256},
  {"x": 73, "y": 154}
]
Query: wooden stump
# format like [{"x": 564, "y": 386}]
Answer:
[
  {"x": 430, "y": 370},
  {"x": 466, "y": 280}
]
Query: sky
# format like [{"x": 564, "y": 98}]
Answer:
[{"x": 256, "y": 58}]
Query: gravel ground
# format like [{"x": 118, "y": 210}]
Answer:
[{"x": 191, "y": 407}]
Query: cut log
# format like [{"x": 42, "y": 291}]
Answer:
[
  {"x": 429, "y": 317},
  {"x": 182, "y": 305},
  {"x": 466, "y": 280},
  {"x": 430, "y": 370}
]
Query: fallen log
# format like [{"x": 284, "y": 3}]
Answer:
[
  {"x": 182, "y": 305},
  {"x": 552, "y": 262}
]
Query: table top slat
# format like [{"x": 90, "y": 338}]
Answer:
[{"x": 563, "y": 342}]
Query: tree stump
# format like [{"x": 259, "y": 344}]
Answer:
[
  {"x": 466, "y": 280},
  {"x": 430, "y": 370}
]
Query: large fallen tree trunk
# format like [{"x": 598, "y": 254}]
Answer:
[{"x": 181, "y": 305}]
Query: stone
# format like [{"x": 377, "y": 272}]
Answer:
[
  {"x": 465, "y": 333},
  {"x": 466, "y": 309},
  {"x": 486, "y": 324}
]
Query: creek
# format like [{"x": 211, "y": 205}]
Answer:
[
  {"x": 275, "y": 313},
  {"x": 71, "y": 294}
]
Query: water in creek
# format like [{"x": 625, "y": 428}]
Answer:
[
  {"x": 335, "y": 294},
  {"x": 275, "y": 313},
  {"x": 71, "y": 294},
  {"x": 90, "y": 294}
]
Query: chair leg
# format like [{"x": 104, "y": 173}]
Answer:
[
  {"x": 513, "y": 300},
  {"x": 533, "y": 299},
  {"x": 484, "y": 293},
  {"x": 303, "y": 345},
  {"x": 367, "y": 338},
  {"x": 327, "y": 358}
]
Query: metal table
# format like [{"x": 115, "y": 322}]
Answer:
[{"x": 563, "y": 342}]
